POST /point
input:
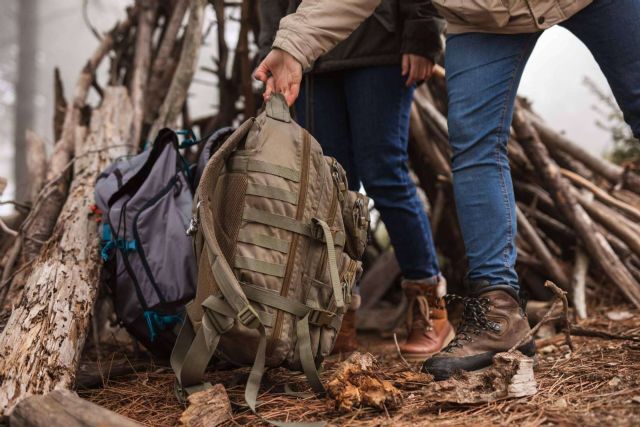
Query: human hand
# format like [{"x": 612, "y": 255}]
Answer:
[
  {"x": 280, "y": 72},
  {"x": 416, "y": 68}
]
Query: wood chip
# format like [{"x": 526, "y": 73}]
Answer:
[
  {"x": 207, "y": 408},
  {"x": 356, "y": 383}
]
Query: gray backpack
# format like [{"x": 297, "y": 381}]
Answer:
[{"x": 149, "y": 264}]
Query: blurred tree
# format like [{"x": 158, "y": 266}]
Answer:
[
  {"x": 25, "y": 90},
  {"x": 626, "y": 148}
]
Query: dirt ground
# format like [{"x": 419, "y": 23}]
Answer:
[{"x": 597, "y": 384}]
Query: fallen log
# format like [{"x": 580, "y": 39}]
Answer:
[
  {"x": 63, "y": 408},
  {"x": 39, "y": 224},
  {"x": 41, "y": 343}
]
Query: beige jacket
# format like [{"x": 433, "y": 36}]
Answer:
[
  {"x": 506, "y": 16},
  {"x": 318, "y": 25}
]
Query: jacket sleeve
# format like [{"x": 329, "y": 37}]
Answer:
[
  {"x": 319, "y": 25},
  {"x": 423, "y": 28},
  {"x": 270, "y": 14}
]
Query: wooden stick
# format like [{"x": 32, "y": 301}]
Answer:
[
  {"x": 141, "y": 64},
  {"x": 611, "y": 220},
  {"x": 164, "y": 63},
  {"x": 549, "y": 261},
  {"x": 594, "y": 242},
  {"x": 601, "y": 194},
  {"x": 612, "y": 172},
  {"x": 177, "y": 94},
  {"x": 578, "y": 282}
]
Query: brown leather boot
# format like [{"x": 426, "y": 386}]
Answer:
[
  {"x": 427, "y": 324},
  {"x": 347, "y": 340},
  {"x": 492, "y": 322}
]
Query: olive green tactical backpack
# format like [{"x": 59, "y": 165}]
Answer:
[{"x": 278, "y": 238}]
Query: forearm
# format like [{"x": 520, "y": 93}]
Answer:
[{"x": 319, "y": 25}]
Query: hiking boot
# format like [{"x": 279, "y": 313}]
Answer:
[
  {"x": 427, "y": 324},
  {"x": 492, "y": 322},
  {"x": 347, "y": 340}
]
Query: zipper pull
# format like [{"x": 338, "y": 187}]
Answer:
[
  {"x": 337, "y": 177},
  {"x": 194, "y": 223}
]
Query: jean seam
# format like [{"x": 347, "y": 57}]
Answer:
[{"x": 503, "y": 184}]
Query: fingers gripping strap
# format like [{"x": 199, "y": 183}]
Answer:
[
  {"x": 277, "y": 108},
  {"x": 333, "y": 265}
]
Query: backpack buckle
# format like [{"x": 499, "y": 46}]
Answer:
[
  {"x": 249, "y": 317},
  {"x": 215, "y": 322},
  {"x": 321, "y": 317}
]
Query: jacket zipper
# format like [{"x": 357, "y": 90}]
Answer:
[{"x": 304, "y": 183}]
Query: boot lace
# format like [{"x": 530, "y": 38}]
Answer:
[
  {"x": 418, "y": 295},
  {"x": 474, "y": 320}
]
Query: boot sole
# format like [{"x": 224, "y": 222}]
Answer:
[
  {"x": 475, "y": 363},
  {"x": 421, "y": 357}
]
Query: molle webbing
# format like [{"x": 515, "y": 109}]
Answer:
[
  {"x": 272, "y": 193},
  {"x": 244, "y": 164},
  {"x": 258, "y": 266},
  {"x": 262, "y": 240},
  {"x": 273, "y": 299},
  {"x": 289, "y": 224}
]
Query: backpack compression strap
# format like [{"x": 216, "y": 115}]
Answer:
[{"x": 193, "y": 349}]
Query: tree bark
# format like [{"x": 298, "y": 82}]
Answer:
[
  {"x": 36, "y": 163},
  {"x": 41, "y": 344},
  {"x": 63, "y": 408},
  {"x": 208, "y": 408}
]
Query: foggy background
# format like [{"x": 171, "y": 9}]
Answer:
[{"x": 553, "y": 79}]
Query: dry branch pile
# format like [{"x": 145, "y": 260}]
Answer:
[{"x": 578, "y": 214}]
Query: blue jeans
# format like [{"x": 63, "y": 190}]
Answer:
[
  {"x": 483, "y": 73},
  {"x": 361, "y": 117}
]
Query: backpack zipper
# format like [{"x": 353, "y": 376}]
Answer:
[
  {"x": 304, "y": 184},
  {"x": 136, "y": 235}
]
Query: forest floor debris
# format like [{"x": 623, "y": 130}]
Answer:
[{"x": 597, "y": 384}]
